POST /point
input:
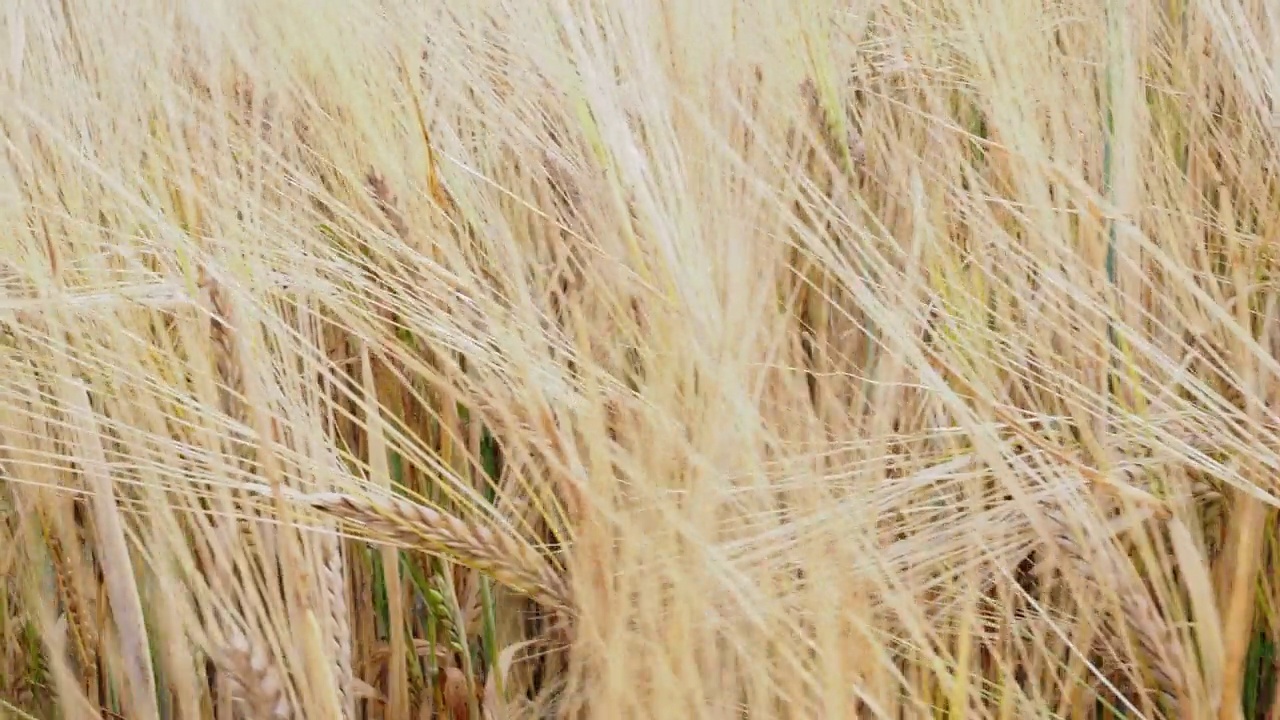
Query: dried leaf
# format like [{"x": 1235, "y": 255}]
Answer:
[{"x": 495, "y": 706}]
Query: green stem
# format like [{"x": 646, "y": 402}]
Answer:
[{"x": 1108, "y": 189}]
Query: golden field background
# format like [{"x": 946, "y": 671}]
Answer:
[{"x": 639, "y": 359}]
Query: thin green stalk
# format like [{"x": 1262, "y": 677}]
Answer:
[
  {"x": 395, "y": 465},
  {"x": 489, "y": 615},
  {"x": 1108, "y": 190},
  {"x": 420, "y": 592}
]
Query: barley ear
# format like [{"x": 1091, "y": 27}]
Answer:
[
  {"x": 256, "y": 679},
  {"x": 117, "y": 565}
]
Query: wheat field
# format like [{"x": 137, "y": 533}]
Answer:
[{"x": 723, "y": 359}]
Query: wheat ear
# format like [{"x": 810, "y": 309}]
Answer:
[
  {"x": 334, "y": 583},
  {"x": 84, "y": 635},
  {"x": 387, "y": 205},
  {"x": 117, "y": 564},
  {"x": 256, "y": 679},
  {"x": 1156, "y": 641},
  {"x": 225, "y": 352},
  {"x": 501, "y": 556}
]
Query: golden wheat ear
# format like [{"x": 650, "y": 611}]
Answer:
[
  {"x": 255, "y": 679},
  {"x": 506, "y": 559}
]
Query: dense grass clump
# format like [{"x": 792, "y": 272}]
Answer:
[{"x": 724, "y": 359}]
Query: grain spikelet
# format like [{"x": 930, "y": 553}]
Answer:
[
  {"x": 256, "y": 679},
  {"x": 1155, "y": 640},
  {"x": 334, "y": 584},
  {"x": 507, "y": 560}
]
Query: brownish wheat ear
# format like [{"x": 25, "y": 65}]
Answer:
[
  {"x": 1155, "y": 640},
  {"x": 387, "y": 204},
  {"x": 504, "y": 558},
  {"x": 225, "y": 351},
  {"x": 256, "y": 679},
  {"x": 83, "y": 633}
]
